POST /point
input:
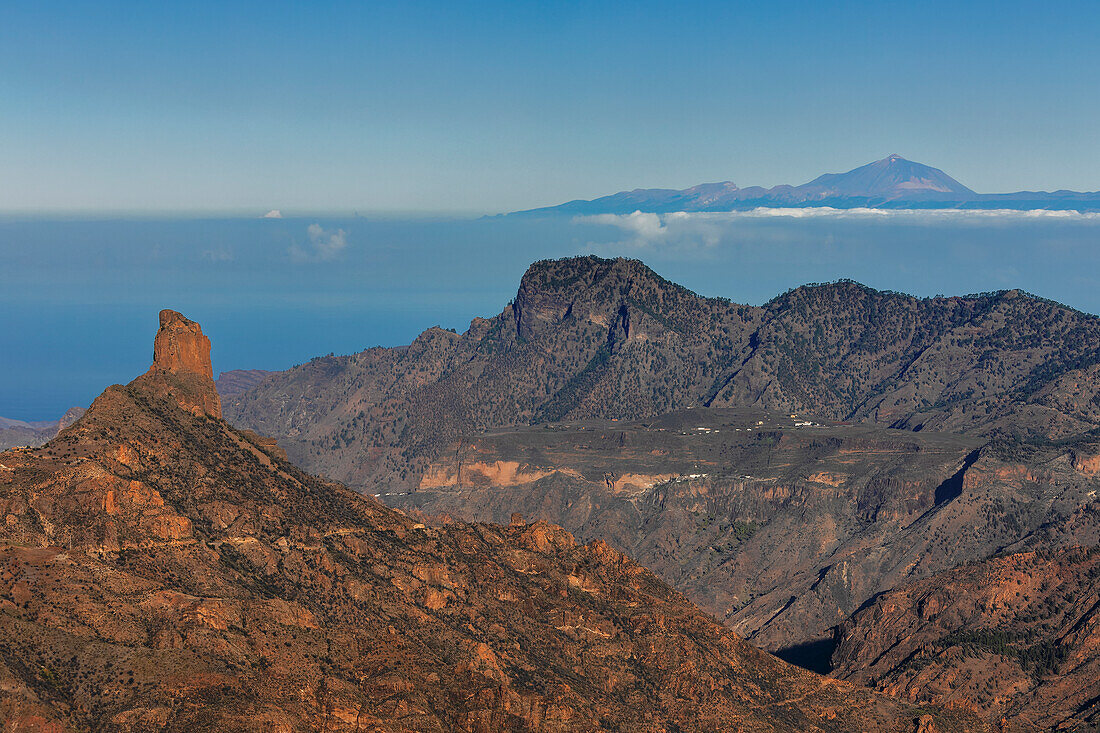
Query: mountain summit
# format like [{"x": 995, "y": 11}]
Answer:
[
  {"x": 891, "y": 177},
  {"x": 893, "y": 182}
]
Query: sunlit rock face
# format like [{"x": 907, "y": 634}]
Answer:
[
  {"x": 181, "y": 346},
  {"x": 181, "y": 365},
  {"x": 163, "y": 571}
]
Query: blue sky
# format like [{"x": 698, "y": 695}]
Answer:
[{"x": 487, "y": 107}]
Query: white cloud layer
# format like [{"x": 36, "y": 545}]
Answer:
[
  {"x": 707, "y": 228},
  {"x": 914, "y": 215}
]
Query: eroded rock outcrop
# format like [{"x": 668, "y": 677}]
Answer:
[
  {"x": 180, "y": 346},
  {"x": 181, "y": 365}
]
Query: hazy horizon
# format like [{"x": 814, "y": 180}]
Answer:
[
  {"x": 245, "y": 212},
  {"x": 80, "y": 295}
]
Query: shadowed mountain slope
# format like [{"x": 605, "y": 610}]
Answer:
[
  {"x": 593, "y": 338},
  {"x": 15, "y": 433},
  {"x": 160, "y": 570},
  {"x": 235, "y": 381}
]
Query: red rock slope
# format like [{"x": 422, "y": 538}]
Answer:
[
  {"x": 160, "y": 570},
  {"x": 1014, "y": 637}
]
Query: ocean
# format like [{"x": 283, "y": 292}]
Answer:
[{"x": 79, "y": 297}]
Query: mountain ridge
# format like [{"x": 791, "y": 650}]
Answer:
[
  {"x": 1024, "y": 626},
  {"x": 891, "y": 183},
  {"x": 589, "y": 337},
  {"x": 893, "y": 438}
]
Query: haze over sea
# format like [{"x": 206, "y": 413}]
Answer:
[{"x": 79, "y": 297}]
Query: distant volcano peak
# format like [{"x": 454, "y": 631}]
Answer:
[
  {"x": 893, "y": 182},
  {"x": 890, "y": 178}
]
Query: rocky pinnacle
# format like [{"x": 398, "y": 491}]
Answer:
[{"x": 181, "y": 358}]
